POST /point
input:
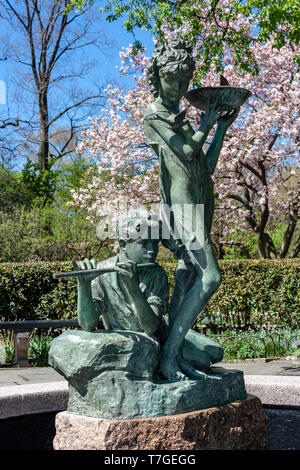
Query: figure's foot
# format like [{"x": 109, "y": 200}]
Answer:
[
  {"x": 169, "y": 371},
  {"x": 191, "y": 372}
]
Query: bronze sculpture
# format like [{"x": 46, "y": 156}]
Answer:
[
  {"x": 148, "y": 361},
  {"x": 185, "y": 179}
]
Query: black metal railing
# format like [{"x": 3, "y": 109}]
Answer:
[{"x": 21, "y": 331}]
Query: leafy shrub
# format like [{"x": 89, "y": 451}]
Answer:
[
  {"x": 7, "y": 347},
  {"x": 29, "y": 292},
  {"x": 47, "y": 233},
  {"x": 38, "y": 350},
  {"x": 253, "y": 294},
  {"x": 248, "y": 345}
]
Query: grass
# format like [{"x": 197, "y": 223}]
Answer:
[
  {"x": 38, "y": 349},
  {"x": 251, "y": 345}
]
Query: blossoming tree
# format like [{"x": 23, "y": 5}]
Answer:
[
  {"x": 256, "y": 178},
  {"x": 214, "y": 22}
]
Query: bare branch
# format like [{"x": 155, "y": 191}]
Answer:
[
  {"x": 71, "y": 107},
  {"x": 9, "y": 123}
]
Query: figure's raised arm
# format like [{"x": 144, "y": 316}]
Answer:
[
  {"x": 85, "y": 272},
  {"x": 215, "y": 147},
  {"x": 149, "y": 317}
]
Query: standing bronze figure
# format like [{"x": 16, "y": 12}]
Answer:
[{"x": 185, "y": 180}]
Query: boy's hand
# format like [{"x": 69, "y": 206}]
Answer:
[
  {"x": 83, "y": 265},
  {"x": 210, "y": 117},
  {"x": 129, "y": 269},
  {"x": 87, "y": 270},
  {"x": 89, "y": 265}
]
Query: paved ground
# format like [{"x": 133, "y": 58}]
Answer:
[
  {"x": 20, "y": 376},
  {"x": 259, "y": 367},
  {"x": 26, "y": 375}
]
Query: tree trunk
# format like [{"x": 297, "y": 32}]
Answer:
[
  {"x": 296, "y": 248},
  {"x": 289, "y": 232},
  {"x": 43, "y": 152},
  {"x": 266, "y": 246}
]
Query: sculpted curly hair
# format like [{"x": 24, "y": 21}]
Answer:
[
  {"x": 135, "y": 224},
  {"x": 169, "y": 58}
]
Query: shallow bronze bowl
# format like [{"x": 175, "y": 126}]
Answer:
[{"x": 226, "y": 98}]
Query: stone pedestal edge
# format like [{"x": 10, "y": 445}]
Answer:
[{"x": 240, "y": 425}]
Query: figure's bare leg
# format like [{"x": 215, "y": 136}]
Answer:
[
  {"x": 194, "y": 301},
  {"x": 185, "y": 278},
  {"x": 201, "y": 351}
]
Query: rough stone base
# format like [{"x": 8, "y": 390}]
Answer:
[
  {"x": 112, "y": 374},
  {"x": 239, "y": 425}
]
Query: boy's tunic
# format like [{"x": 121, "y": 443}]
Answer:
[{"x": 111, "y": 297}]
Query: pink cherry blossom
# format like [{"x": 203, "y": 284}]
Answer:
[{"x": 255, "y": 181}]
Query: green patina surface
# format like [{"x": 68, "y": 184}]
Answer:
[
  {"x": 113, "y": 374},
  {"x": 148, "y": 361}
]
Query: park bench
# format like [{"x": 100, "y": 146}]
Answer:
[{"x": 21, "y": 331}]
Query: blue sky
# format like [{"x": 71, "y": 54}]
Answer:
[
  {"x": 104, "y": 73},
  {"x": 114, "y": 31},
  {"x": 117, "y": 32}
]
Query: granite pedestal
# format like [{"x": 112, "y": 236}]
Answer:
[{"x": 240, "y": 425}]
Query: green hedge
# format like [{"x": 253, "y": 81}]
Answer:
[
  {"x": 29, "y": 292},
  {"x": 258, "y": 292},
  {"x": 253, "y": 293}
]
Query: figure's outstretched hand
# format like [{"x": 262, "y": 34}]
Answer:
[
  {"x": 85, "y": 264},
  {"x": 87, "y": 270},
  {"x": 228, "y": 118},
  {"x": 210, "y": 116}
]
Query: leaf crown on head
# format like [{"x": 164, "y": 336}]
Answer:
[{"x": 167, "y": 59}]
